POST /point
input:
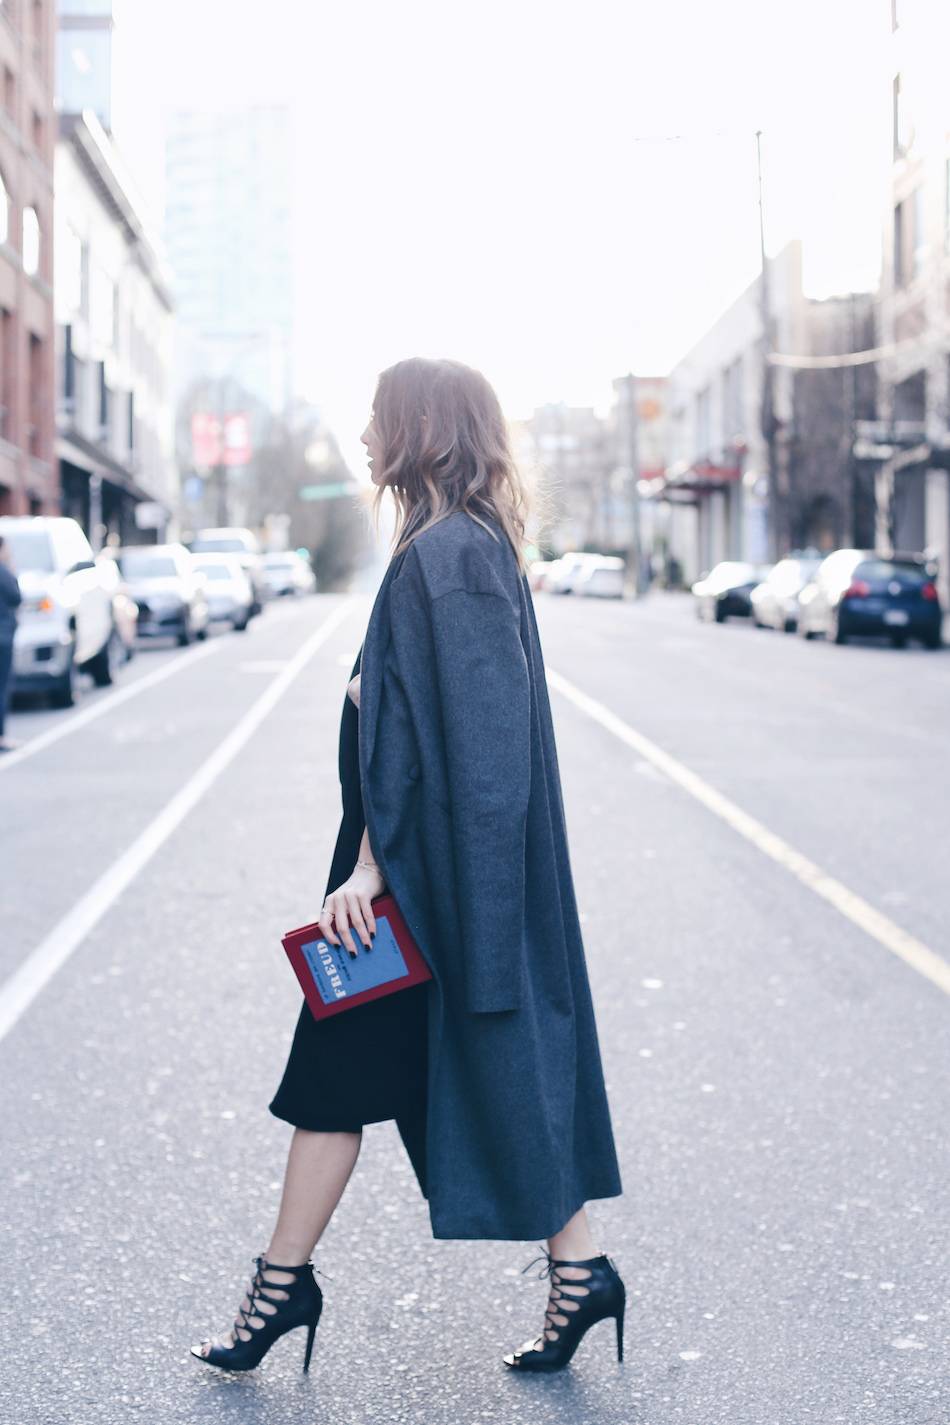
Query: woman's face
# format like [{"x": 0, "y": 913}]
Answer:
[{"x": 373, "y": 449}]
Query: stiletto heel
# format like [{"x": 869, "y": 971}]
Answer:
[
  {"x": 311, "y": 1332},
  {"x": 298, "y": 1302},
  {"x": 596, "y": 1297}
]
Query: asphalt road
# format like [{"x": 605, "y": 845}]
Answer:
[{"x": 778, "y": 1073}]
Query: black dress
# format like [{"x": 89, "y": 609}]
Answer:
[{"x": 368, "y": 1064}]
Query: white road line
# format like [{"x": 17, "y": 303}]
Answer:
[
  {"x": 22, "y": 988},
  {"x": 75, "y": 720},
  {"x": 906, "y": 947}
]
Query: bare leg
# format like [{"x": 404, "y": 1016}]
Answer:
[
  {"x": 318, "y": 1169},
  {"x": 572, "y": 1244}
]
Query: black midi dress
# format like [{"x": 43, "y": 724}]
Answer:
[{"x": 368, "y": 1064}]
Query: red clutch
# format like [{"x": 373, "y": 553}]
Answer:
[{"x": 333, "y": 980}]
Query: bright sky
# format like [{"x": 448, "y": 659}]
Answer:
[{"x": 471, "y": 182}]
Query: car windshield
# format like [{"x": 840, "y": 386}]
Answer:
[
  {"x": 147, "y": 566},
  {"x": 30, "y": 549},
  {"x": 218, "y": 546},
  {"x": 284, "y": 563},
  {"x": 214, "y": 571}
]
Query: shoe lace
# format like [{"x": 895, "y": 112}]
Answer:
[{"x": 551, "y": 1329}]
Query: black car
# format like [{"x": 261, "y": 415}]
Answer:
[
  {"x": 726, "y": 590},
  {"x": 858, "y": 593}
]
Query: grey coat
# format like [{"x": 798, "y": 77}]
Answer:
[{"x": 462, "y": 797}]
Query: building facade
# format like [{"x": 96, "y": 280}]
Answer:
[
  {"x": 913, "y": 484},
  {"x": 28, "y": 480},
  {"x": 727, "y": 494},
  {"x": 114, "y": 339}
]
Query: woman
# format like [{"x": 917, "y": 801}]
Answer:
[
  {"x": 452, "y": 804},
  {"x": 10, "y": 600}
]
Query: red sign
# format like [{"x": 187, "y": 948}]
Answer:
[{"x": 217, "y": 442}]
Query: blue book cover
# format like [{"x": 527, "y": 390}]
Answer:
[{"x": 337, "y": 974}]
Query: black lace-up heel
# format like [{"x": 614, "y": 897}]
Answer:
[
  {"x": 290, "y": 1304},
  {"x": 575, "y": 1304}
]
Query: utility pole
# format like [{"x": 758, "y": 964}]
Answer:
[
  {"x": 632, "y": 453},
  {"x": 776, "y": 512}
]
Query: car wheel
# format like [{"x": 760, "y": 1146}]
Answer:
[
  {"x": 184, "y": 635},
  {"x": 107, "y": 662},
  {"x": 898, "y": 640},
  {"x": 721, "y": 614},
  {"x": 64, "y": 692},
  {"x": 202, "y": 634},
  {"x": 933, "y": 640},
  {"x": 240, "y": 625},
  {"x": 835, "y": 633},
  {"x": 791, "y": 624}
]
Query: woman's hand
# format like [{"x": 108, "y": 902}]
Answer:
[
  {"x": 353, "y": 688},
  {"x": 349, "y": 905}
]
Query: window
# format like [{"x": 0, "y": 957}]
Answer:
[
  {"x": 919, "y": 232},
  {"x": 37, "y": 388},
  {"x": 7, "y": 337},
  {"x": 31, "y": 241},
  {"x": 900, "y": 271},
  {"x": 102, "y": 315},
  {"x": 9, "y": 91},
  {"x": 69, "y": 269},
  {"x": 37, "y": 131},
  {"x": 4, "y": 211}
]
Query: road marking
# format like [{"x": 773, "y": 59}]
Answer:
[
  {"x": 22, "y": 988},
  {"x": 111, "y": 699},
  {"x": 860, "y": 912}
]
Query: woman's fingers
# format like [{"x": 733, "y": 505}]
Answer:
[
  {"x": 325, "y": 921},
  {"x": 357, "y": 907}
]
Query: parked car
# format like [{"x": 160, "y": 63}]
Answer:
[
  {"x": 562, "y": 579},
  {"x": 234, "y": 539},
  {"x": 125, "y": 611},
  {"x": 287, "y": 572},
  {"x": 857, "y": 592},
  {"x": 170, "y": 594},
  {"x": 228, "y": 589},
  {"x": 775, "y": 600},
  {"x": 65, "y": 621},
  {"x": 726, "y": 591},
  {"x": 539, "y": 571},
  {"x": 601, "y": 578}
]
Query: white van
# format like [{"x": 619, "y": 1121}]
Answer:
[{"x": 65, "y": 620}]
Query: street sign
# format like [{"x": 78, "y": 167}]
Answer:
[
  {"x": 326, "y": 492},
  {"x": 867, "y": 450}
]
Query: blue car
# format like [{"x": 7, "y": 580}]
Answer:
[{"x": 856, "y": 593}]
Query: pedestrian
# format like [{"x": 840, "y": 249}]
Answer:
[
  {"x": 10, "y": 600},
  {"x": 452, "y": 804}
]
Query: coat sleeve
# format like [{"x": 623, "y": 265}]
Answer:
[{"x": 481, "y": 679}]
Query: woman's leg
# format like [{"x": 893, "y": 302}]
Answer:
[
  {"x": 573, "y": 1243},
  {"x": 318, "y": 1169}
]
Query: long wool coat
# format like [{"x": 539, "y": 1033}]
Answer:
[{"x": 462, "y": 797}]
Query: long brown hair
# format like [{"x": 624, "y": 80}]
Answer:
[{"x": 445, "y": 447}]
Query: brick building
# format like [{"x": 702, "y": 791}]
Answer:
[{"x": 28, "y": 477}]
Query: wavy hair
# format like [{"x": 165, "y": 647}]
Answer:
[{"x": 445, "y": 447}]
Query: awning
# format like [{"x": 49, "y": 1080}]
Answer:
[{"x": 79, "y": 451}]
